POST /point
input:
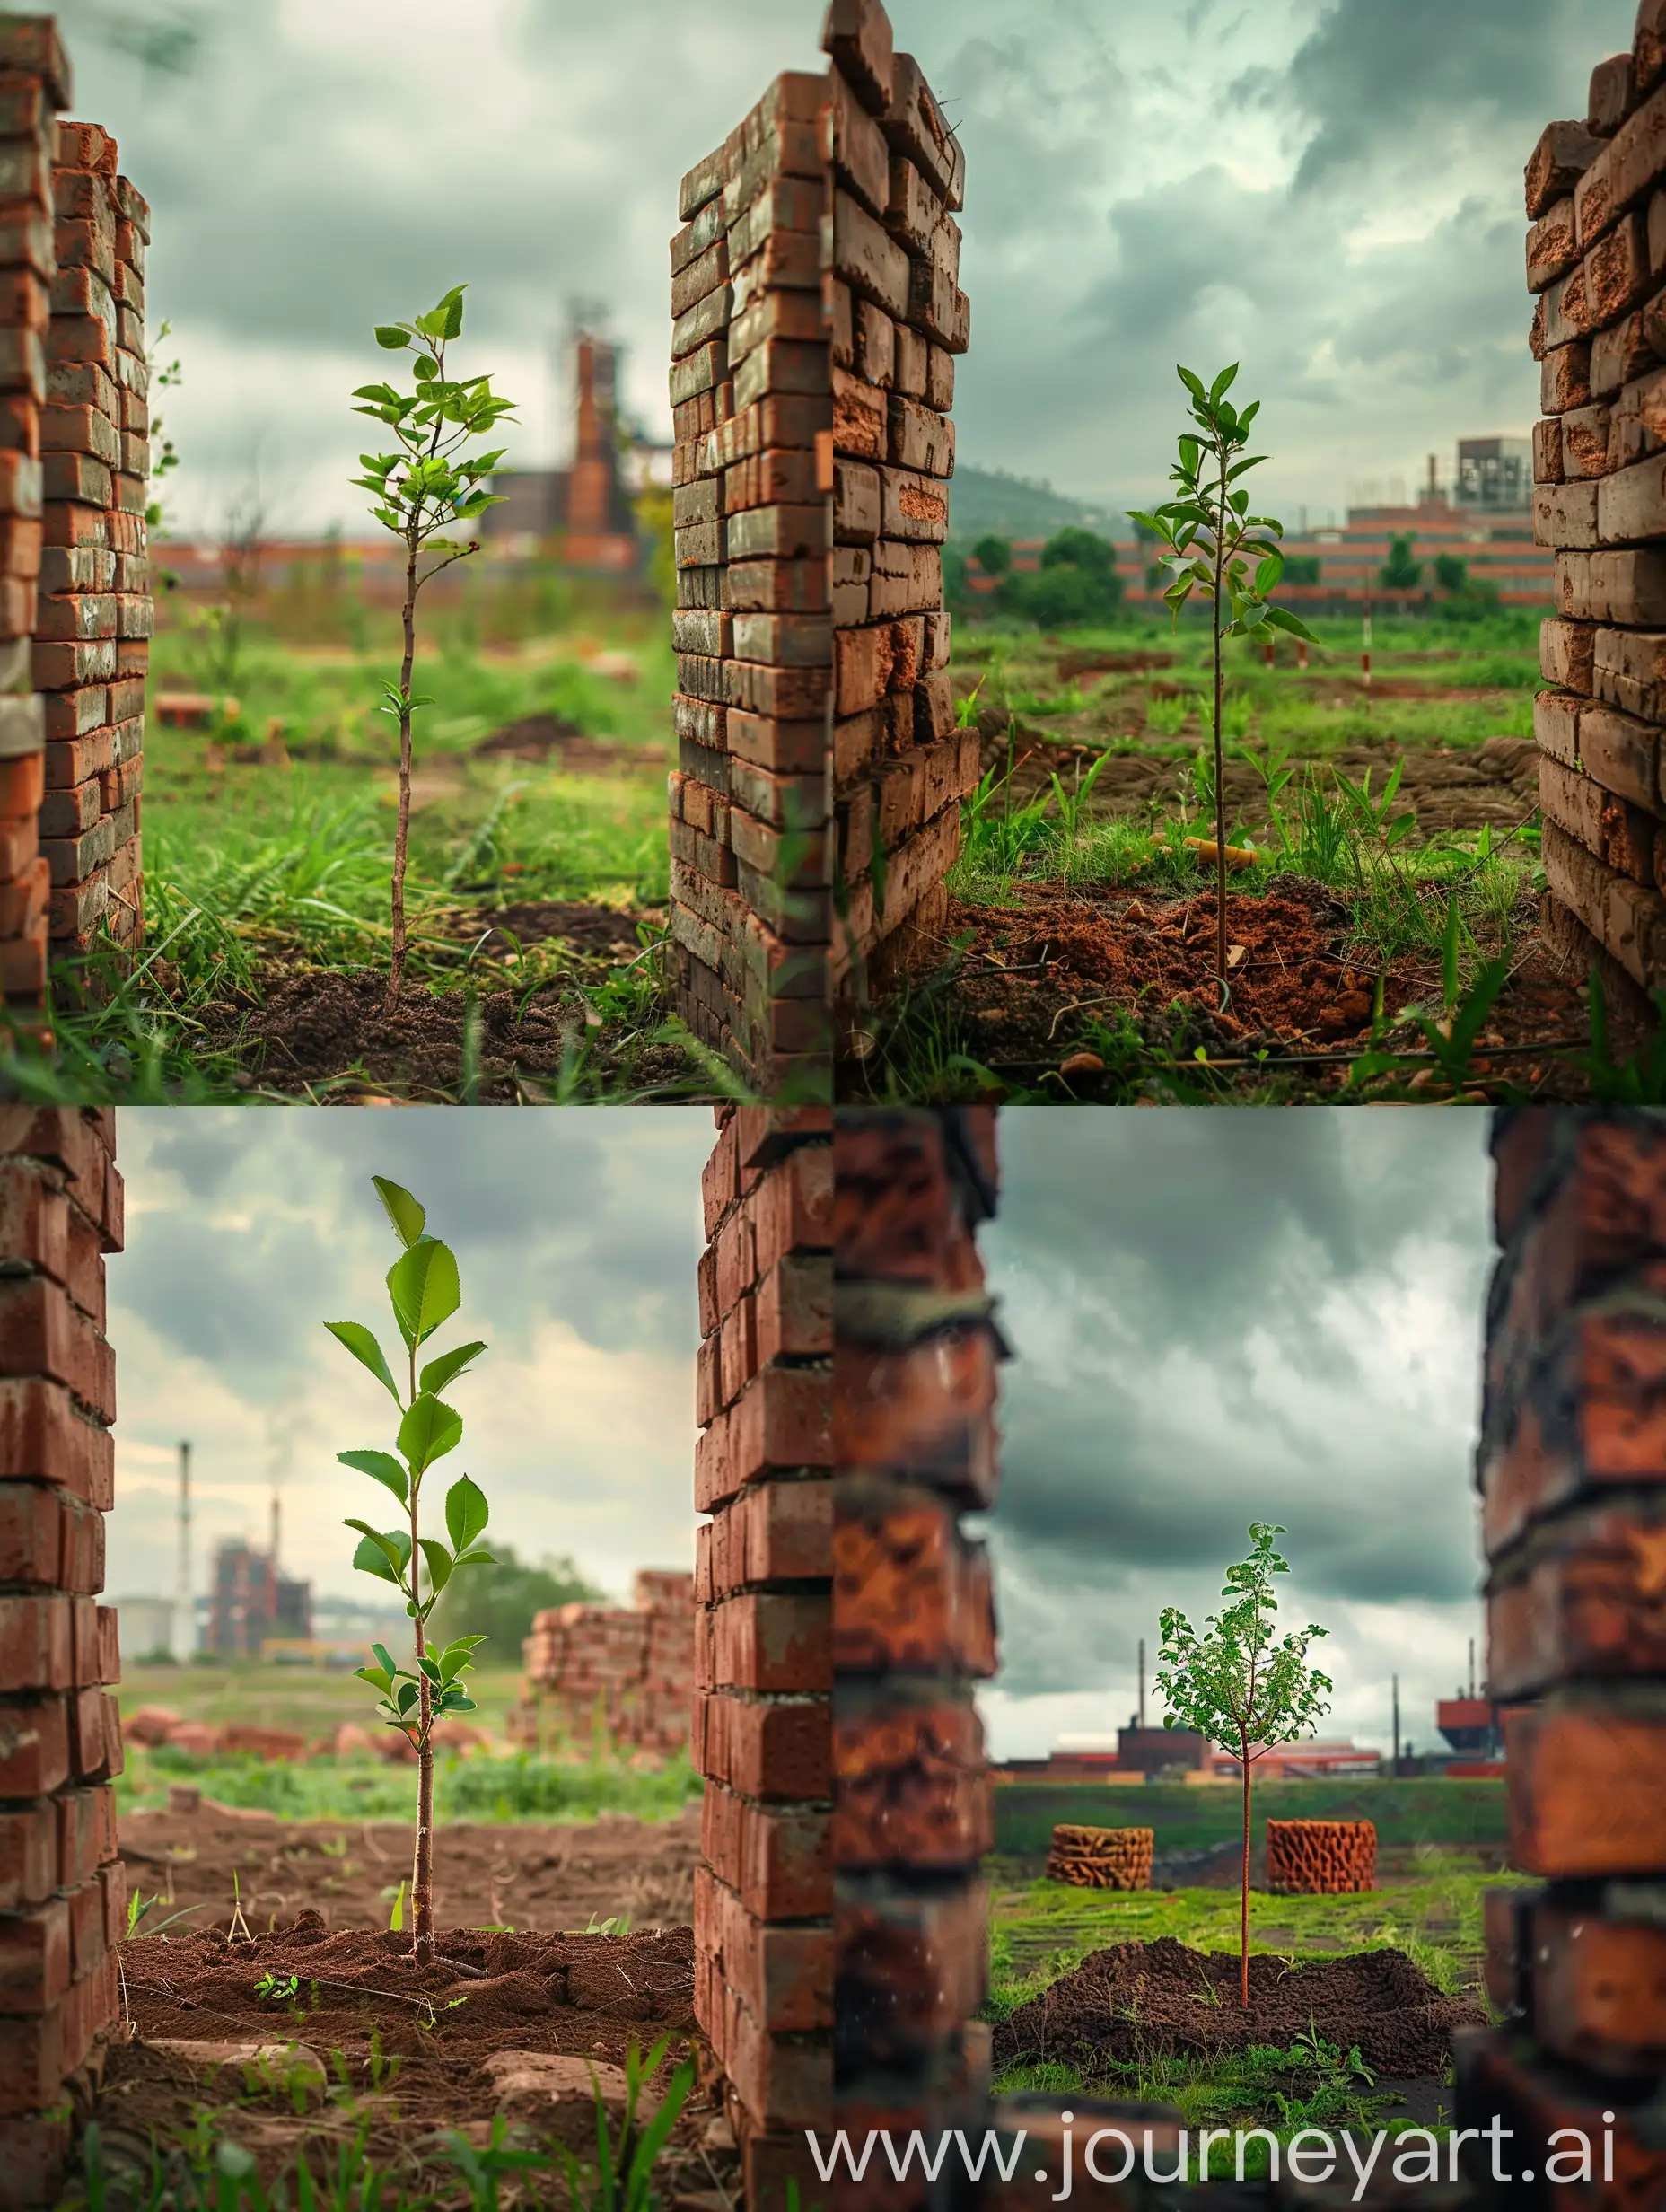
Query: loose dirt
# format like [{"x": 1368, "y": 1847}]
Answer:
[
  {"x": 302, "y": 1029},
  {"x": 1136, "y": 1999},
  {"x": 558, "y": 742},
  {"x": 1033, "y": 977},
  {"x": 527, "y": 1875},
  {"x": 403, "y": 2052}
]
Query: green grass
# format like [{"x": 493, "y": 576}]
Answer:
[
  {"x": 362, "y": 1788},
  {"x": 1042, "y": 1930},
  {"x": 1411, "y": 1812},
  {"x": 311, "y": 1701},
  {"x": 252, "y": 861}
]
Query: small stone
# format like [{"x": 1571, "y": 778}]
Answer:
[{"x": 1081, "y": 1064}]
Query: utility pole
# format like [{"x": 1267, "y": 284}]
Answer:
[
  {"x": 184, "y": 1625},
  {"x": 1471, "y": 1666},
  {"x": 1397, "y": 1724},
  {"x": 1142, "y": 1682}
]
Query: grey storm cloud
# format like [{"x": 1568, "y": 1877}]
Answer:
[
  {"x": 1144, "y": 185},
  {"x": 586, "y": 1217},
  {"x": 1221, "y": 1318}
]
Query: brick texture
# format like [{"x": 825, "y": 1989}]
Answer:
[
  {"x": 61, "y": 1884},
  {"x": 817, "y": 315},
  {"x": 762, "y": 1640},
  {"x": 913, "y": 1618},
  {"x": 1572, "y": 1492},
  {"x": 1596, "y": 257},
  {"x": 622, "y": 1674},
  {"x": 75, "y": 604}
]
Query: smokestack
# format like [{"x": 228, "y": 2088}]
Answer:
[
  {"x": 1142, "y": 1682},
  {"x": 184, "y": 1625},
  {"x": 1472, "y": 1666},
  {"x": 1397, "y": 1724},
  {"x": 276, "y": 1524}
]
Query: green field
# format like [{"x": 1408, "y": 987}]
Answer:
[
  {"x": 487, "y": 1784},
  {"x": 269, "y": 841},
  {"x": 1462, "y": 1814}
]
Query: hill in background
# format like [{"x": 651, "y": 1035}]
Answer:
[{"x": 989, "y": 500}]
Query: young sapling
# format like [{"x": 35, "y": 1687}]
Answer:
[{"x": 423, "y": 1291}]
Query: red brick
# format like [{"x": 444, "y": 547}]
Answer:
[
  {"x": 780, "y": 1863},
  {"x": 42, "y": 1333},
  {"x": 909, "y": 1594},
  {"x": 763, "y": 1749},
  {"x": 29, "y": 1854},
  {"x": 782, "y": 1975},
  {"x": 914, "y": 1967},
  {"x": 37, "y": 1642},
  {"x": 784, "y": 2079},
  {"x": 37, "y": 2055},
  {"x": 34, "y": 1746},
  {"x": 926, "y": 1411},
  {"x": 1592, "y": 1607},
  {"x": 1586, "y": 1791},
  {"x": 1599, "y": 1989},
  {"x": 773, "y": 1641},
  {"x": 35, "y": 1957},
  {"x": 43, "y": 1437},
  {"x": 911, "y": 1786},
  {"x": 720, "y": 1178},
  {"x": 1499, "y": 2080}
]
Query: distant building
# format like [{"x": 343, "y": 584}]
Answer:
[
  {"x": 1494, "y": 475},
  {"x": 251, "y": 1602},
  {"x": 583, "y": 513},
  {"x": 146, "y": 1626}
]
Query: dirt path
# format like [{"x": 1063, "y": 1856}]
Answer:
[{"x": 526, "y": 1876}]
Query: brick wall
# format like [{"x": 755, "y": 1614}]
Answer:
[
  {"x": 76, "y": 608},
  {"x": 816, "y": 315},
  {"x": 626, "y": 1672},
  {"x": 1572, "y": 1474},
  {"x": 1596, "y": 257},
  {"x": 62, "y": 1893},
  {"x": 899, "y": 319},
  {"x": 763, "y": 1667},
  {"x": 914, "y": 1620}
]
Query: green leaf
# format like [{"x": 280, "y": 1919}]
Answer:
[
  {"x": 392, "y": 337},
  {"x": 449, "y": 1366},
  {"x": 424, "y": 1288},
  {"x": 401, "y": 1209},
  {"x": 455, "y": 1657},
  {"x": 429, "y": 1430},
  {"x": 365, "y": 1349},
  {"x": 458, "y": 1701},
  {"x": 1221, "y": 384},
  {"x": 429, "y": 1667},
  {"x": 371, "y": 1560},
  {"x": 405, "y": 1697},
  {"x": 377, "y": 1677},
  {"x": 1194, "y": 384},
  {"x": 466, "y": 1512},
  {"x": 1281, "y": 618},
  {"x": 393, "y": 1546},
  {"x": 385, "y": 1657},
  {"x": 381, "y": 1466},
  {"x": 475, "y": 1559},
  {"x": 439, "y": 1562}
]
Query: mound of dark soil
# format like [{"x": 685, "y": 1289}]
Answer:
[
  {"x": 561, "y": 743},
  {"x": 604, "y": 931},
  {"x": 310, "y": 1028},
  {"x": 1135, "y": 1999}
]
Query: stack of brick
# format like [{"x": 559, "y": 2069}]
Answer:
[
  {"x": 1321, "y": 1859},
  {"x": 1101, "y": 1858},
  {"x": 1596, "y": 256},
  {"x": 93, "y": 619},
  {"x": 34, "y": 83},
  {"x": 899, "y": 318},
  {"x": 913, "y": 1618},
  {"x": 753, "y": 415},
  {"x": 1572, "y": 1472},
  {"x": 62, "y": 1887},
  {"x": 623, "y": 1675},
  {"x": 763, "y": 1707}
]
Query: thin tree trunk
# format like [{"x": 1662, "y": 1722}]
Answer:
[
  {"x": 1243, "y": 1917},
  {"x": 402, "y": 836},
  {"x": 1220, "y": 755},
  {"x": 422, "y": 1873}
]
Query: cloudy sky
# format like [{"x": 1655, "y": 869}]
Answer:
[
  {"x": 1220, "y": 1318},
  {"x": 1329, "y": 190},
  {"x": 576, "y": 1235}
]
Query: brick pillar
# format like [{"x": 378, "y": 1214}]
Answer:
[
  {"x": 914, "y": 1620},
  {"x": 62, "y": 1888},
  {"x": 1572, "y": 1472},
  {"x": 93, "y": 625},
  {"x": 752, "y": 413},
  {"x": 34, "y": 82},
  {"x": 763, "y": 1666},
  {"x": 1598, "y": 335},
  {"x": 899, "y": 319}
]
